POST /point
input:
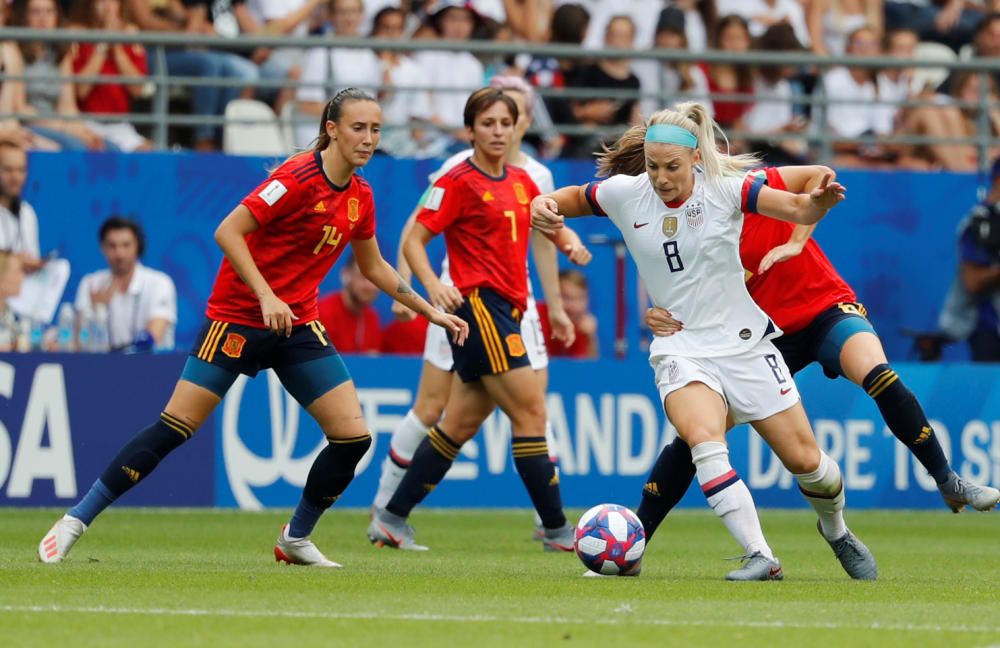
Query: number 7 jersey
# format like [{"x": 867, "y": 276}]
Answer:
[
  {"x": 688, "y": 256},
  {"x": 486, "y": 225}
]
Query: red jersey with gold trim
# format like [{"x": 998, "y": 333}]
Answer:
[
  {"x": 795, "y": 291},
  {"x": 486, "y": 224},
  {"x": 304, "y": 223}
]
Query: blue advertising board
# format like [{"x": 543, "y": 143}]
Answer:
[{"x": 63, "y": 417}]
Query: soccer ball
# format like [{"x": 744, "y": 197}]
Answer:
[{"x": 610, "y": 539}]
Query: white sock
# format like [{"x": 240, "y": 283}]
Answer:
[
  {"x": 729, "y": 497},
  {"x": 405, "y": 438},
  {"x": 824, "y": 489}
]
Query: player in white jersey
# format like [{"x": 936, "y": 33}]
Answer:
[
  {"x": 681, "y": 221},
  {"x": 436, "y": 374}
]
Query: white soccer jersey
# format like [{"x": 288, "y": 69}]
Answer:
[
  {"x": 539, "y": 173},
  {"x": 689, "y": 258}
]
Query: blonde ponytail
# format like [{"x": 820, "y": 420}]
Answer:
[
  {"x": 627, "y": 155},
  {"x": 715, "y": 163}
]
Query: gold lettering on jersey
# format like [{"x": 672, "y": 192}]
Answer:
[
  {"x": 353, "y": 210},
  {"x": 331, "y": 237},
  {"x": 521, "y": 193},
  {"x": 669, "y": 226}
]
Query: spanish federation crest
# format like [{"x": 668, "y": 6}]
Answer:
[
  {"x": 521, "y": 193},
  {"x": 353, "y": 210},
  {"x": 669, "y": 226},
  {"x": 695, "y": 216}
]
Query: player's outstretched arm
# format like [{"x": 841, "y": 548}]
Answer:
[
  {"x": 797, "y": 179},
  {"x": 377, "y": 270},
  {"x": 548, "y": 211},
  {"x": 231, "y": 237},
  {"x": 544, "y": 252},
  {"x": 801, "y": 209},
  {"x": 403, "y": 268}
]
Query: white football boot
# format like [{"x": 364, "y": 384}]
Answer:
[
  {"x": 299, "y": 551},
  {"x": 60, "y": 539}
]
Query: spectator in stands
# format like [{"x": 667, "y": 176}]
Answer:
[
  {"x": 700, "y": 17},
  {"x": 40, "y": 99},
  {"x": 950, "y": 22},
  {"x": 781, "y": 114},
  {"x": 612, "y": 74},
  {"x": 576, "y": 300},
  {"x": 283, "y": 18},
  {"x": 404, "y": 101},
  {"x": 732, "y": 34},
  {"x": 342, "y": 67},
  {"x": 899, "y": 85},
  {"x": 141, "y": 302},
  {"x": 671, "y": 81},
  {"x": 103, "y": 59},
  {"x": 971, "y": 309},
  {"x": 853, "y": 113},
  {"x": 832, "y": 21},
  {"x": 642, "y": 13},
  {"x": 348, "y": 316},
  {"x": 18, "y": 222},
  {"x": 192, "y": 17},
  {"x": 530, "y": 20},
  {"x": 11, "y": 130},
  {"x": 985, "y": 44},
  {"x": 452, "y": 75},
  {"x": 569, "y": 27},
  {"x": 761, "y": 14}
]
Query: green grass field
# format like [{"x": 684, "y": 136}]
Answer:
[{"x": 207, "y": 578}]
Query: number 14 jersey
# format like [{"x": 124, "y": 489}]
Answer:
[{"x": 688, "y": 256}]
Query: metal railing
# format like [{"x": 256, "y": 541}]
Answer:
[{"x": 820, "y": 138}]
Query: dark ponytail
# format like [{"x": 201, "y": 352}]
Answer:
[{"x": 333, "y": 110}]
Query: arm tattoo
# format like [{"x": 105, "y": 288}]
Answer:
[{"x": 403, "y": 288}]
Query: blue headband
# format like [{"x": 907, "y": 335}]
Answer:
[{"x": 670, "y": 134}]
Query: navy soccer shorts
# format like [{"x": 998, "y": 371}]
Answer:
[
  {"x": 494, "y": 345},
  {"x": 306, "y": 362},
  {"x": 824, "y": 338}
]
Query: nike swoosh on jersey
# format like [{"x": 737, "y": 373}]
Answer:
[
  {"x": 638, "y": 225},
  {"x": 785, "y": 390}
]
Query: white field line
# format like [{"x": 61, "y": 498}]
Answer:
[{"x": 488, "y": 618}]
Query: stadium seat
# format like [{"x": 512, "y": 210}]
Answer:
[
  {"x": 932, "y": 77},
  {"x": 252, "y": 129}
]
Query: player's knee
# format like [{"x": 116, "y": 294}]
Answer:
[
  {"x": 429, "y": 408},
  {"x": 461, "y": 431},
  {"x": 530, "y": 416},
  {"x": 695, "y": 433},
  {"x": 802, "y": 460}
]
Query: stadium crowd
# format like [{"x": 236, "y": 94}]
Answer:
[{"x": 418, "y": 91}]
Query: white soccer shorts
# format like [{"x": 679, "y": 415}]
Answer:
[{"x": 755, "y": 384}]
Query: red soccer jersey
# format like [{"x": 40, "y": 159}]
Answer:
[
  {"x": 108, "y": 97},
  {"x": 486, "y": 224},
  {"x": 795, "y": 291},
  {"x": 305, "y": 222},
  {"x": 405, "y": 338}
]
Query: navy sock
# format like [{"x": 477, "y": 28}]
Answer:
[
  {"x": 906, "y": 419},
  {"x": 98, "y": 498},
  {"x": 669, "y": 479},
  {"x": 140, "y": 456},
  {"x": 432, "y": 459},
  {"x": 329, "y": 476},
  {"x": 531, "y": 458}
]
